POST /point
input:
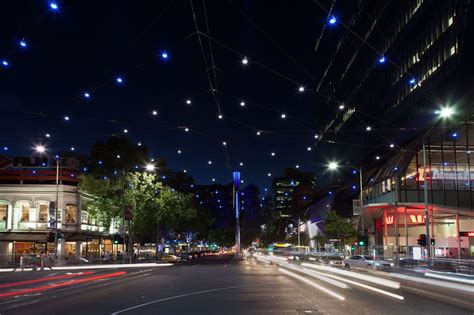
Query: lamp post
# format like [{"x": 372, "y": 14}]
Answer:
[
  {"x": 42, "y": 149},
  {"x": 445, "y": 112},
  {"x": 332, "y": 166}
]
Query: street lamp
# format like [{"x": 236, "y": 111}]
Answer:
[
  {"x": 42, "y": 149},
  {"x": 444, "y": 112},
  {"x": 150, "y": 167},
  {"x": 334, "y": 166}
]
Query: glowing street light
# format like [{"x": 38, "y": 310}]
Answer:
[
  {"x": 283, "y": 116},
  {"x": 23, "y": 43},
  {"x": 301, "y": 89},
  {"x": 154, "y": 113},
  {"x": 188, "y": 101},
  {"x": 446, "y": 112},
  {"x": 220, "y": 116},
  {"x": 332, "y": 20},
  {"x": 368, "y": 128},
  {"x": 164, "y": 55},
  {"x": 40, "y": 148},
  {"x": 150, "y": 167},
  {"x": 119, "y": 80},
  {"x": 242, "y": 103},
  {"x": 87, "y": 95},
  {"x": 54, "y": 6},
  {"x": 5, "y": 63},
  {"x": 245, "y": 61},
  {"x": 382, "y": 59},
  {"x": 333, "y": 165}
]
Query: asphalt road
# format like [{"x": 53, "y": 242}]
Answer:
[{"x": 215, "y": 285}]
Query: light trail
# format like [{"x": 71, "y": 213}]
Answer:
[
  {"x": 311, "y": 283},
  {"x": 372, "y": 279},
  {"x": 26, "y": 282},
  {"x": 368, "y": 287},
  {"x": 315, "y": 274},
  {"x": 63, "y": 284}
]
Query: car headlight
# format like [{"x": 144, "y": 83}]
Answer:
[
  {"x": 391, "y": 264},
  {"x": 331, "y": 263},
  {"x": 377, "y": 264}
]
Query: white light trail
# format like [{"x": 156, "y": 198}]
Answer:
[
  {"x": 311, "y": 283},
  {"x": 376, "y": 280}
]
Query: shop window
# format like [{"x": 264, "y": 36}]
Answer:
[
  {"x": 43, "y": 213},
  {"x": 71, "y": 214},
  {"x": 25, "y": 213}
]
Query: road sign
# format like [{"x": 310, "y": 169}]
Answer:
[{"x": 356, "y": 207}]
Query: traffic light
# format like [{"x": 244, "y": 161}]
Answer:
[
  {"x": 433, "y": 242},
  {"x": 422, "y": 240},
  {"x": 118, "y": 239},
  {"x": 362, "y": 240}
]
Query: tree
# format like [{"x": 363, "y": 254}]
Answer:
[{"x": 337, "y": 227}]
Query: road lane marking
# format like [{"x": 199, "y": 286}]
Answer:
[
  {"x": 368, "y": 287},
  {"x": 183, "y": 295},
  {"x": 376, "y": 280},
  {"x": 311, "y": 283}
]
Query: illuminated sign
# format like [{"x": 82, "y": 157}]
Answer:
[
  {"x": 470, "y": 234},
  {"x": 417, "y": 218},
  {"x": 389, "y": 220}
]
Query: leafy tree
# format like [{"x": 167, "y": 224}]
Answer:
[{"x": 337, "y": 227}]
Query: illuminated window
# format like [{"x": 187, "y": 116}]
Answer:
[
  {"x": 3, "y": 215},
  {"x": 43, "y": 213},
  {"x": 71, "y": 214},
  {"x": 25, "y": 213}
]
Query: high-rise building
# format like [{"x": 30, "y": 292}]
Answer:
[
  {"x": 394, "y": 64},
  {"x": 292, "y": 189}
]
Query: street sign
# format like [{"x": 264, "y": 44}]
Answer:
[
  {"x": 417, "y": 253},
  {"x": 334, "y": 240},
  {"x": 356, "y": 207}
]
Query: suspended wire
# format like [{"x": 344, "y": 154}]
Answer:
[{"x": 270, "y": 39}]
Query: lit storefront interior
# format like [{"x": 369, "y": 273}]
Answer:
[{"x": 394, "y": 196}]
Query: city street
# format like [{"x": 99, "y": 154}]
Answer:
[{"x": 220, "y": 285}]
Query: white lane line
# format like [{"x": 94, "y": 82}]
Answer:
[
  {"x": 368, "y": 287},
  {"x": 376, "y": 280},
  {"x": 315, "y": 274},
  {"x": 183, "y": 295},
  {"x": 438, "y": 276},
  {"x": 444, "y": 284},
  {"x": 311, "y": 283}
]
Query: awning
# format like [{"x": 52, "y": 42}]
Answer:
[{"x": 24, "y": 237}]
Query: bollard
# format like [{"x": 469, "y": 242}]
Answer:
[{"x": 21, "y": 263}]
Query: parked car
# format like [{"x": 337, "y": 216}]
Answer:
[
  {"x": 366, "y": 261},
  {"x": 186, "y": 256}
]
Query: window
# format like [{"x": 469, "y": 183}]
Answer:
[
  {"x": 452, "y": 51},
  {"x": 25, "y": 213},
  {"x": 43, "y": 213},
  {"x": 3, "y": 215},
  {"x": 71, "y": 214}
]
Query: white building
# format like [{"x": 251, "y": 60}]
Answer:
[{"x": 27, "y": 199}]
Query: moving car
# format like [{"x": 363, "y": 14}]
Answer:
[
  {"x": 366, "y": 261},
  {"x": 333, "y": 260},
  {"x": 170, "y": 258}
]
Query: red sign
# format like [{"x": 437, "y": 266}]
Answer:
[
  {"x": 417, "y": 218},
  {"x": 389, "y": 220}
]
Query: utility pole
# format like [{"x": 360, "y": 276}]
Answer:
[{"x": 425, "y": 194}]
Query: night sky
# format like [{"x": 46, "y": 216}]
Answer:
[{"x": 85, "y": 45}]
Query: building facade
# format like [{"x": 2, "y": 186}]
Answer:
[
  {"x": 394, "y": 203},
  {"x": 27, "y": 210}
]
